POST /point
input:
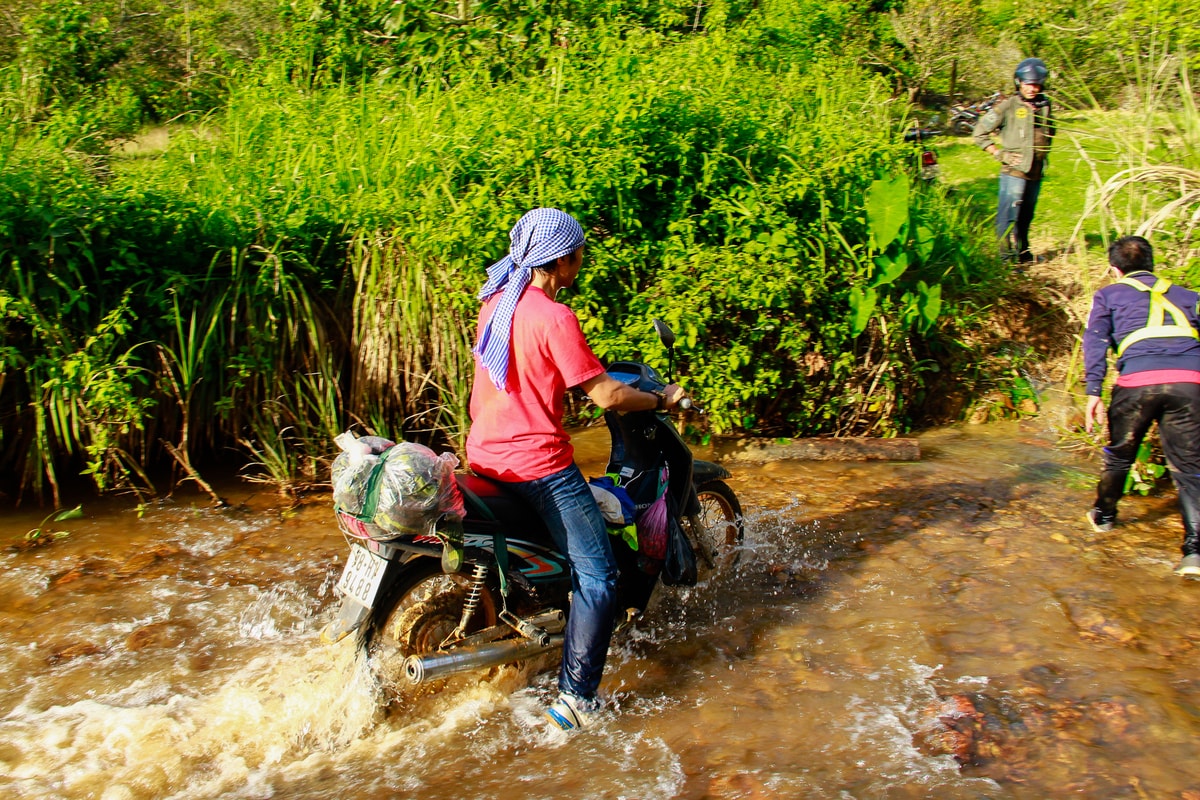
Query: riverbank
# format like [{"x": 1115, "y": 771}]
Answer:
[{"x": 1032, "y": 333}]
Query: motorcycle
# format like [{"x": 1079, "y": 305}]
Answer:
[
  {"x": 492, "y": 588},
  {"x": 964, "y": 117},
  {"x": 927, "y": 159}
]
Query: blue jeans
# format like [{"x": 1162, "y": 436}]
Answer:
[
  {"x": 566, "y": 504},
  {"x": 1176, "y": 407},
  {"x": 1014, "y": 215}
]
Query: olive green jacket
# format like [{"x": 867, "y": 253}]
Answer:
[{"x": 1012, "y": 120}]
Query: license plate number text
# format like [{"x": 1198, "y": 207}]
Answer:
[{"x": 362, "y": 576}]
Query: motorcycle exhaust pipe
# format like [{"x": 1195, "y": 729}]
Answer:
[{"x": 434, "y": 666}]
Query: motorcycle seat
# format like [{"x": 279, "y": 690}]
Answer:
[{"x": 506, "y": 507}]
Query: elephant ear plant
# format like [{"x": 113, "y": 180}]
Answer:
[{"x": 896, "y": 243}]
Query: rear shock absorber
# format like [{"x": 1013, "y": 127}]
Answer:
[{"x": 471, "y": 602}]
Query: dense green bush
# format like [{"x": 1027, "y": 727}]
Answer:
[
  {"x": 307, "y": 260},
  {"x": 137, "y": 61}
]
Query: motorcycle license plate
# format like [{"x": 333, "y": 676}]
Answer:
[{"x": 362, "y": 576}]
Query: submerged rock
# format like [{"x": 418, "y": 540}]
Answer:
[
  {"x": 157, "y": 634},
  {"x": 1092, "y": 624},
  {"x": 68, "y": 652},
  {"x": 950, "y": 726},
  {"x": 738, "y": 784}
]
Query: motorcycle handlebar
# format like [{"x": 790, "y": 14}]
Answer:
[{"x": 685, "y": 404}]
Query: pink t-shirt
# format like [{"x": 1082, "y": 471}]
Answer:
[{"x": 517, "y": 435}]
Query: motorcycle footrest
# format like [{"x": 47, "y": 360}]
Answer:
[{"x": 525, "y": 628}]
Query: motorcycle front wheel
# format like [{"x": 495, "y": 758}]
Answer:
[
  {"x": 963, "y": 127},
  {"x": 422, "y": 613},
  {"x": 718, "y": 530}
]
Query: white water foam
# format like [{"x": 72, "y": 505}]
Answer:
[
  {"x": 150, "y": 740},
  {"x": 886, "y": 727}
]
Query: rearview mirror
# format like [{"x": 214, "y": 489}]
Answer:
[{"x": 665, "y": 334}]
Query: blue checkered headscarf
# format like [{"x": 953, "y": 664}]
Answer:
[{"x": 538, "y": 238}]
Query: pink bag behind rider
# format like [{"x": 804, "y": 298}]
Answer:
[{"x": 652, "y": 524}]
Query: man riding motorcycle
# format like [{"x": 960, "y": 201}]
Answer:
[{"x": 530, "y": 351}]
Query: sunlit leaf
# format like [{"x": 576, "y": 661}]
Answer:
[
  {"x": 887, "y": 209},
  {"x": 889, "y": 269},
  {"x": 862, "y": 305},
  {"x": 925, "y": 240},
  {"x": 71, "y": 513},
  {"x": 929, "y": 302}
]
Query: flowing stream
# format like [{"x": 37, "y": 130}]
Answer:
[{"x": 945, "y": 628}]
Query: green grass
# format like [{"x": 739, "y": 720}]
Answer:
[
  {"x": 972, "y": 174},
  {"x": 1089, "y": 149},
  {"x": 1081, "y": 159}
]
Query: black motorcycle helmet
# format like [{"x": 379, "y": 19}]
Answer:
[{"x": 1031, "y": 70}]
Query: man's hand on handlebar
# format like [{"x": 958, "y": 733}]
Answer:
[{"x": 675, "y": 396}]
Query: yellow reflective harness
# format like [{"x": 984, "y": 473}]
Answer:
[{"x": 1160, "y": 306}]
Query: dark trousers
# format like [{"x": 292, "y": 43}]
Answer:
[{"x": 1176, "y": 408}]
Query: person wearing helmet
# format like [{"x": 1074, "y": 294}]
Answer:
[{"x": 1018, "y": 131}]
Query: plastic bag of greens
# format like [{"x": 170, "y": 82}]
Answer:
[{"x": 395, "y": 489}]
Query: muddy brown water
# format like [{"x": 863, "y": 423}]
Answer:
[{"x": 948, "y": 628}]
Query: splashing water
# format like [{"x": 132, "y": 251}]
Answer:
[
  {"x": 939, "y": 629},
  {"x": 175, "y": 744}
]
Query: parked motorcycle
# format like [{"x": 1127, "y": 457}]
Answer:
[
  {"x": 927, "y": 160},
  {"x": 492, "y": 588},
  {"x": 964, "y": 117}
]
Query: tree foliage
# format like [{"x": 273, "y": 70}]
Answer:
[{"x": 932, "y": 36}]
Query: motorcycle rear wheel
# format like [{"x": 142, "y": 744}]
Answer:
[
  {"x": 420, "y": 614},
  {"x": 718, "y": 530}
]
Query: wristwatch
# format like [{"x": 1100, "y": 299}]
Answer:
[{"x": 662, "y": 399}]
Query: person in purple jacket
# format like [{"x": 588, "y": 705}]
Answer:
[{"x": 1153, "y": 326}]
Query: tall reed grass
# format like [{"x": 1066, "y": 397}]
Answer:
[{"x": 1151, "y": 186}]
